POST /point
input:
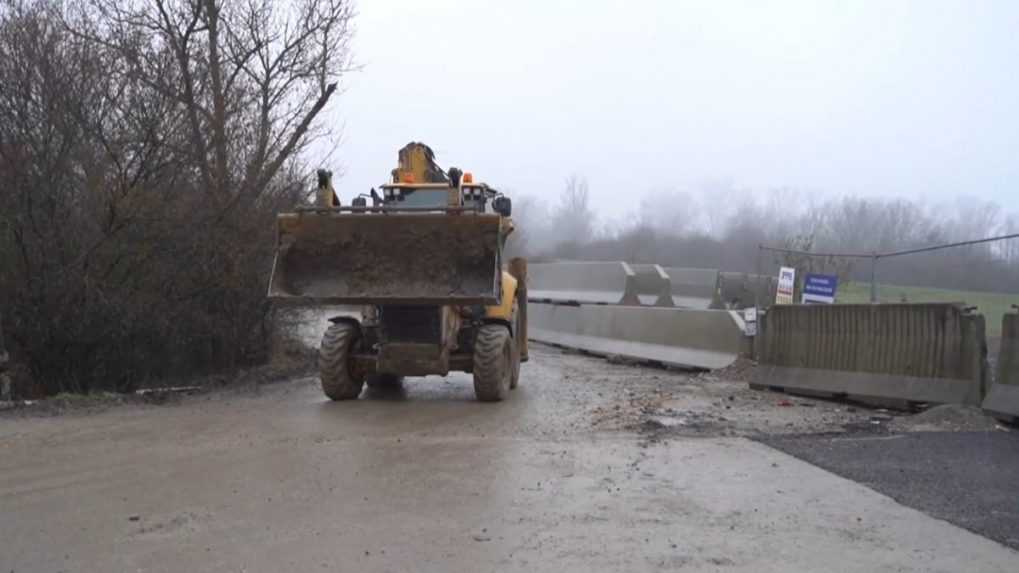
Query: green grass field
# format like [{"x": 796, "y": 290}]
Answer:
[{"x": 991, "y": 304}]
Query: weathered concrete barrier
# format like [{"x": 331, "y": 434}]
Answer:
[
  {"x": 672, "y": 336},
  {"x": 934, "y": 353},
  {"x": 1008, "y": 358},
  {"x": 1002, "y": 402},
  {"x": 742, "y": 290},
  {"x": 651, "y": 285},
  {"x": 579, "y": 282},
  {"x": 694, "y": 288},
  {"x": 1002, "y": 399}
]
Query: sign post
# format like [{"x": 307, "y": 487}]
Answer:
[
  {"x": 786, "y": 285},
  {"x": 819, "y": 289},
  {"x": 750, "y": 321}
]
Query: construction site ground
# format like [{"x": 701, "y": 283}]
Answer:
[{"x": 591, "y": 465}]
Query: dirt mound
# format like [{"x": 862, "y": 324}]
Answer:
[
  {"x": 739, "y": 371},
  {"x": 950, "y": 417}
]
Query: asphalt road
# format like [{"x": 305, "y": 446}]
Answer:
[
  {"x": 968, "y": 478},
  {"x": 561, "y": 477}
]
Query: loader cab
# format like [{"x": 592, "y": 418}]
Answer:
[
  {"x": 477, "y": 195},
  {"x": 438, "y": 196},
  {"x": 482, "y": 197},
  {"x": 420, "y": 195}
]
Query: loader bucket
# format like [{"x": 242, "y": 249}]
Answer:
[{"x": 387, "y": 258}]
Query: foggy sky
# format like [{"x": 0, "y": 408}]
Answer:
[{"x": 912, "y": 99}]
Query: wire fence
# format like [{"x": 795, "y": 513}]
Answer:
[{"x": 874, "y": 257}]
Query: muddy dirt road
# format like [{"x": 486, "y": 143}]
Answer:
[{"x": 590, "y": 466}]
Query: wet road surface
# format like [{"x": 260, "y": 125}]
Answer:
[{"x": 280, "y": 479}]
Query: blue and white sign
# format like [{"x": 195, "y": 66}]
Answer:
[{"x": 819, "y": 289}]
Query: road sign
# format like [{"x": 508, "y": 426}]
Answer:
[
  {"x": 786, "y": 285},
  {"x": 819, "y": 289}
]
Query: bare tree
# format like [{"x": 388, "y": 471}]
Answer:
[
  {"x": 670, "y": 211},
  {"x": 573, "y": 219},
  {"x": 530, "y": 232},
  {"x": 247, "y": 78},
  {"x": 145, "y": 148}
]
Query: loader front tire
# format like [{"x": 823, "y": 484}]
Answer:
[
  {"x": 339, "y": 380},
  {"x": 494, "y": 354}
]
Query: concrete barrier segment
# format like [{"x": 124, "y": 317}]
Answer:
[
  {"x": 679, "y": 337},
  {"x": 1002, "y": 399},
  {"x": 581, "y": 282},
  {"x": 1008, "y": 358},
  {"x": 651, "y": 285},
  {"x": 693, "y": 287},
  {"x": 1002, "y": 402},
  {"x": 742, "y": 290},
  {"x": 889, "y": 389},
  {"x": 934, "y": 353}
]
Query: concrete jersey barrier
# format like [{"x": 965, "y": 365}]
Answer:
[
  {"x": 1008, "y": 358},
  {"x": 933, "y": 353},
  {"x": 693, "y": 287},
  {"x": 743, "y": 290},
  {"x": 577, "y": 282},
  {"x": 679, "y": 337},
  {"x": 1002, "y": 399},
  {"x": 651, "y": 284}
]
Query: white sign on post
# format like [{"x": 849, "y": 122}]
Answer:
[
  {"x": 750, "y": 321},
  {"x": 786, "y": 285}
]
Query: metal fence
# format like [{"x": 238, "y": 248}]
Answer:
[{"x": 875, "y": 257}]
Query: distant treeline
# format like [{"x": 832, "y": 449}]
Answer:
[{"x": 723, "y": 227}]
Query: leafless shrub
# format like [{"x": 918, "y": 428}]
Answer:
[{"x": 145, "y": 148}]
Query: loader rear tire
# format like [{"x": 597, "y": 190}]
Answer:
[
  {"x": 494, "y": 354},
  {"x": 339, "y": 380}
]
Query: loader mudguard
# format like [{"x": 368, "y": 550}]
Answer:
[
  {"x": 504, "y": 310},
  {"x": 347, "y": 320}
]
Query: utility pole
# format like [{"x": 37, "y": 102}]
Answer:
[
  {"x": 873, "y": 279},
  {"x": 757, "y": 291}
]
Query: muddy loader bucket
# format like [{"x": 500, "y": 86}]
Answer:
[{"x": 386, "y": 258}]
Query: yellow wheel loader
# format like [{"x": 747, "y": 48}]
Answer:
[{"x": 425, "y": 263}]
